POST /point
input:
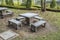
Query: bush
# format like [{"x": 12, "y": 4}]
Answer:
[
  {"x": 58, "y": 7},
  {"x": 28, "y": 3},
  {"x": 23, "y": 4},
  {"x": 53, "y": 4},
  {"x": 37, "y": 6}
]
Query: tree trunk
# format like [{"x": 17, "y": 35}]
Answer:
[{"x": 43, "y": 5}]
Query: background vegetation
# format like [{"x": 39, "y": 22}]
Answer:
[{"x": 26, "y": 3}]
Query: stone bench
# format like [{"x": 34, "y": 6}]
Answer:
[
  {"x": 8, "y": 12},
  {"x": 20, "y": 18},
  {"x": 8, "y": 35},
  {"x": 16, "y": 24},
  {"x": 39, "y": 18},
  {"x": 5, "y": 14},
  {"x": 34, "y": 26}
]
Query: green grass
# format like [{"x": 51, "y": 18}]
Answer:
[
  {"x": 53, "y": 18},
  {"x": 57, "y": 7}
]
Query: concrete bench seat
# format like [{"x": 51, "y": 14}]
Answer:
[
  {"x": 39, "y": 23},
  {"x": 8, "y": 35},
  {"x": 20, "y": 18},
  {"x": 5, "y": 14},
  {"x": 8, "y": 11},
  {"x": 15, "y": 23},
  {"x": 39, "y": 18},
  {"x": 34, "y": 26}
]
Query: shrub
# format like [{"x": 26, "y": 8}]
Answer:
[
  {"x": 53, "y": 4},
  {"x": 28, "y": 3},
  {"x": 58, "y": 7},
  {"x": 23, "y": 4},
  {"x": 37, "y": 6}
]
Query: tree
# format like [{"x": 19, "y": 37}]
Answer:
[
  {"x": 24, "y": 2},
  {"x": 11, "y": 2},
  {"x": 2, "y": 2},
  {"x": 7, "y": 2},
  {"x": 18, "y": 2},
  {"x": 43, "y": 5},
  {"x": 53, "y": 4},
  {"x": 28, "y": 3}
]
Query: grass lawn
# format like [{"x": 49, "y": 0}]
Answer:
[{"x": 52, "y": 17}]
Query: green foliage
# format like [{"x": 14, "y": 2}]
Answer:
[
  {"x": 53, "y": 4},
  {"x": 2, "y": 2},
  {"x": 33, "y": 4},
  {"x": 58, "y": 7},
  {"x": 37, "y": 6},
  {"x": 23, "y": 4},
  {"x": 28, "y": 3},
  {"x": 7, "y": 2},
  {"x": 11, "y": 2}
]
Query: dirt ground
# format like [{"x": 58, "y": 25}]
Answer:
[{"x": 24, "y": 31}]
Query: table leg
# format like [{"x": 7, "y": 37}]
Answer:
[
  {"x": 8, "y": 23},
  {"x": 17, "y": 28},
  {"x": 44, "y": 24},
  {"x": 2, "y": 17},
  {"x": 33, "y": 29}
]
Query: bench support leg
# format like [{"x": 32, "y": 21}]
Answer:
[
  {"x": 44, "y": 24},
  {"x": 17, "y": 27},
  {"x": 34, "y": 29},
  {"x": 8, "y": 23}
]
